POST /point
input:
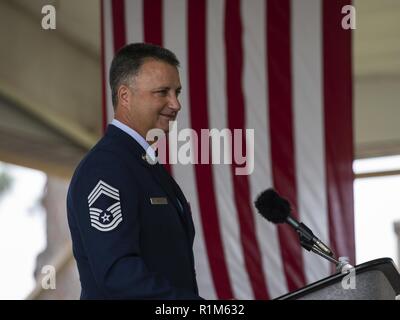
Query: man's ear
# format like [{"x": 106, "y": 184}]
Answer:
[{"x": 124, "y": 96}]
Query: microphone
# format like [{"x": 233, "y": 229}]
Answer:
[{"x": 276, "y": 209}]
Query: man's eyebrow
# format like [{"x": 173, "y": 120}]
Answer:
[
  {"x": 161, "y": 88},
  {"x": 166, "y": 88}
]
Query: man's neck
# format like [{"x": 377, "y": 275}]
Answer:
[{"x": 124, "y": 120}]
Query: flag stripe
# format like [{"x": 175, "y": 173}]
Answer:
[
  {"x": 308, "y": 125},
  {"x": 281, "y": 128},
  {"x": 217, "y": 108},
  {"x": 134, "y": 20},
  {"x": 108, "y": 53},
  {"x": 338, "y": 128},
  {"x": 256, "y": 116},
  {"x": 175, "y": 38},
  {"x": 234, "y": 62},
  {"x": 199, "y": 120},
  {"x": 103, "y": 68},
  {"x": 152, "y": 16},
  {"x": 118, "y": 16}
]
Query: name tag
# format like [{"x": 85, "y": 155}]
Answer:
[{"x": 161, "y": 200}]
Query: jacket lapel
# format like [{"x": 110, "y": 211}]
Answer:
[{"x": 161, "y": 177}]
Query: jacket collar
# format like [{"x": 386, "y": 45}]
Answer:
[{"x": 127, "y": 141}]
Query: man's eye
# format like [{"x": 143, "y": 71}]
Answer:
[
  {"x": 162, "y": 92},
  {"x": 178, "y": 93}
]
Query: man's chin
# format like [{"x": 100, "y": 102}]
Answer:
[
  {"x": 166, "y": 125},
  {"x": 157, "y": 129}
]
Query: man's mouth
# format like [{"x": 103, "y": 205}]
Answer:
[{"x": 169, "y": 116}]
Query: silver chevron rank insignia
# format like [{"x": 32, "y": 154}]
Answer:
[{"x": 104, "y": 207}]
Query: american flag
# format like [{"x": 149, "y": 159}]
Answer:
[{"x": 282, "y": 68}]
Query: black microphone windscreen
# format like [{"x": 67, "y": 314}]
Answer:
[{"x": 272, "y": 206}]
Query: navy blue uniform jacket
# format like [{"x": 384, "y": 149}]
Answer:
[{"x": 131, "y": 226}]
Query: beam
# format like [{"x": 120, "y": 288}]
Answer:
[
  {"x": 377, "y": 174},
  {"x": 60, "y": 170},
  {"x": 65, "y": 128}
]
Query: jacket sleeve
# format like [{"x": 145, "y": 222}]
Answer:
[{"x": 105, "y": 203}]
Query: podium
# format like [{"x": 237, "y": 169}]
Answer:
[{"x": 374, "y": 280}]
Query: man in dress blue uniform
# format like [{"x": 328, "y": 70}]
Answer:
[{"x": 130, "y": 223}]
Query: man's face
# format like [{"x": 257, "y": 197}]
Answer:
[{"x": 153, "y": 98}]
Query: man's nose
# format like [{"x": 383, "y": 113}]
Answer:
[{"x": 174, "y": 103}]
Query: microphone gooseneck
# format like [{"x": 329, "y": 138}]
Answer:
[{"x": 277, "y": 209}]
